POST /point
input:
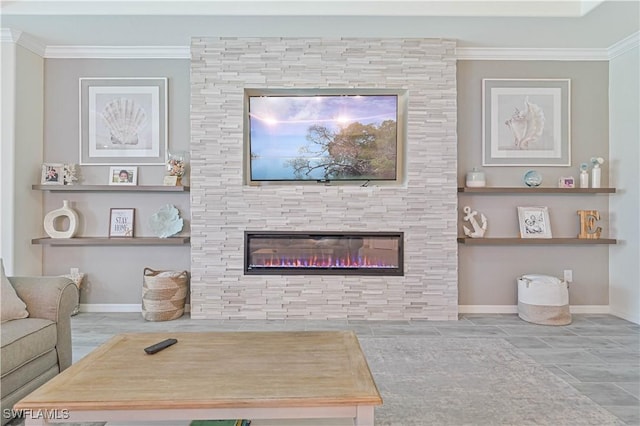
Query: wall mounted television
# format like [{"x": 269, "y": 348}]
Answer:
[{"x": 323, "y": 136}]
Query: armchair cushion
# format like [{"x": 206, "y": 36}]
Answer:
[
  {"x": 12, "y": 306},
  {"x": 28, "y": 350},
  {"x": 25, "y": 340}
]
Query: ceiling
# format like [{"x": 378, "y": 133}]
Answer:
[{"x": 475, "y": 24}]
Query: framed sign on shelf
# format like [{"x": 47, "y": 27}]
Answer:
[
  {"x": 123, "y": 120},
  {"x": 121, "y": 223},
  {"x": 526, "y": 122}
]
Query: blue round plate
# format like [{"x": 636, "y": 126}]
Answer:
[{"x": 532, "y": 178}]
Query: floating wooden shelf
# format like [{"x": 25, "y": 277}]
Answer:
[
  {"x": 538, "y": 190},
  {"x": 106, "y": 241},
  {"x": 111, "y": 188},
  {"x": 534, "y": 241}
]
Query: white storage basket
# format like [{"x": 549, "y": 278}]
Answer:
[{"x": 543, "y": 299}]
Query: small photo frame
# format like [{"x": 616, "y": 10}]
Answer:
[
  {"x": 123, "y": 175},
  {"x": 534, "y": 222},
  {"x": 566, "y": 182},
  {"x": 121, "y": 223},
  {"x": 170, "y": 181},
  {"x": 52, "y": 174}
]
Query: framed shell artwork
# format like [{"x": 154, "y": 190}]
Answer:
[
  {"x": 123, "y": 120},
  {"x": 526, "y": 122}
]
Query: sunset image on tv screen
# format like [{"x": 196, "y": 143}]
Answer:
[{"x": 336, "y": 137}]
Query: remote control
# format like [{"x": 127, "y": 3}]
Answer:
[{"x": 160, "y": 346}]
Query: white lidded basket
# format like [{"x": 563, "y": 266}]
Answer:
[{"x": 543, "y": 299}]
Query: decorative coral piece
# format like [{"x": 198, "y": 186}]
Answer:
[{"x": 166, "y": 221}]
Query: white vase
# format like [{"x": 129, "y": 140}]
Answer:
[
  {"x": 52, "y": 216},
  {"x": 595, "y": 176},
  {"x": 584, "y": 179}
]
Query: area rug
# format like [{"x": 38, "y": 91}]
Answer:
[
  {"x": 462, "y": 381},
  {"x": 437, "y": 381},
  {"x": 20, "y": 422}
]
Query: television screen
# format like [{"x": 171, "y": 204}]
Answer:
[{"x": 323, "y": 138}]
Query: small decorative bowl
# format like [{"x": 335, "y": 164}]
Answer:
[
  {"x": 475, "y": 179},
  {"x": 532, "y": 178}
]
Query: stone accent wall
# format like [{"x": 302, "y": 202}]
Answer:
[{"x": 424, "y": 206}]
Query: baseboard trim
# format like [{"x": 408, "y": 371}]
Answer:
[
  {"x": 488, "y": 309},
  {"x": 633, "y": 318},
  {"x": 117, "y": 307},
  {"x": 513, "y": 309},
  {"x": 590, "y": 309},
  {"x": 463, "y": 309},
  {"x": 110, "y": 307}
]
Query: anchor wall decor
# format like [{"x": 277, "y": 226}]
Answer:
[{"x": 478, "y": 229}]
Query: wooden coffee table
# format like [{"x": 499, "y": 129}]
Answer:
[{"x": 218, "y": 375}]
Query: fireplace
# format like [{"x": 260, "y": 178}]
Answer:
[
  {"x": 323, "y": 253},
  {"x": 225, "y": 204}
]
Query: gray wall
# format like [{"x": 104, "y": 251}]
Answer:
[
  {"x": 20, "y": 158},
  {"x": 487, "y": 274},
  {"x": 625, "y": 174},
  {"x": 114, "y": 274}
]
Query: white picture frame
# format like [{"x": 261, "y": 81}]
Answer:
[
  {"x": 123, "y": 175},
  {"x": 534, "y": 222},
  {"x": 123, "y": 120},
  {"x": 121, "y": 222},
  {"x": 566, "y": 182},
  {"x": 526, "y": 122},
  {"x": 52, "y": 174}
]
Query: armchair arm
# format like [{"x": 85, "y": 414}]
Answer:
[{"x": 52, "y": 298}]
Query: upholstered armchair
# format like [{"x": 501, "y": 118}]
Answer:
[{"x": 37, "y": 347}]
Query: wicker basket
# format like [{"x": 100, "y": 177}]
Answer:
[{"x": 164, "y": 294}]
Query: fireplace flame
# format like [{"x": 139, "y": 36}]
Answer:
[{"x": 320, "y": 262}]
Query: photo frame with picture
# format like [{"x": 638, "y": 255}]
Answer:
[
  {"x": 121, "y": 222},
  {"x": 52, "y": 174},
  {"x": 534, "y": 222},
  {"x": 566, "y": 182},
  {"x": 123, "y": 175}
]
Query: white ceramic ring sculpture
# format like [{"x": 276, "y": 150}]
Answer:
[{"x": 52, "y": 216}]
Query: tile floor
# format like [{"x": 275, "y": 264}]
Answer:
[{"x": 599, "y": 355}]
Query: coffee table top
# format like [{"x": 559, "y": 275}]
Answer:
[{"x": 215, "y": 370}]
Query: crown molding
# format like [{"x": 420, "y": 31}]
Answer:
[
  {"x": 33, "y": 44},
  {"x": 183, "y": 52},
  {"x": 117, "y": 52},
  {"x": 438, "y": 8},
  {"x": 8, "y": 35},
  {"x": 624, "y": 45},
  {"x": 531, "y": 54},
  {"x": 463, "y": 53}
]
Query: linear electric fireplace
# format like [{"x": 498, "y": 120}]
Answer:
[{"x": 323, "y": 253}]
